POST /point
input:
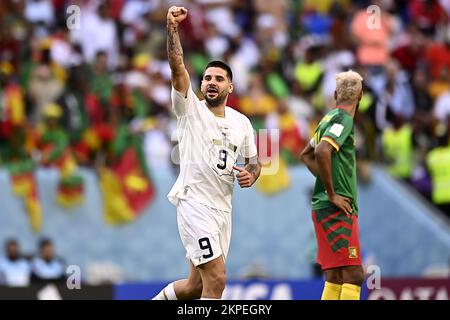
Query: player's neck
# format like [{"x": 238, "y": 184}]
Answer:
[
  {"x": 218, "y": 111},
  {"x": 347, "y": 106}
]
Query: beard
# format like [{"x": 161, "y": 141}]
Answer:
[{"x": 218, "y": 100}]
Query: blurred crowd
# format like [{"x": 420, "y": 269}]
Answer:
[
  {"x": 20, "y": 270},
  {"x": 100, "y": 78}
]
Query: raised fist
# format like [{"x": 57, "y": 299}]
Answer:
[{"x": 176, "y": 14}]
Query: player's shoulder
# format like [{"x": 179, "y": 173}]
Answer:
[
  {"x": 237, "y": 116},
  {"x": 233, "y": 112},
  {"x": 189, "y": 96}
]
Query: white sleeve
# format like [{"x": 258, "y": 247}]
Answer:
[
  {"x": 183, "y": 105},
  {"x": 248, "y": 148}
]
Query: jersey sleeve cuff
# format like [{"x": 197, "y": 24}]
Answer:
[{"x": 332, "y": 142}]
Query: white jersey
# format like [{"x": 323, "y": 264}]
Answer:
[{"x": 209, "y": 147}]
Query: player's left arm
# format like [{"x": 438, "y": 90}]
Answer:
[
  {"x": 250, "y": 173},
  {"x": 252, "y": 168}
]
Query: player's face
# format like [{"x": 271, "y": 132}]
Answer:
[
  {"x": 47, "y": 252},
  {"x": 12, "y": 250},
  {"x": 216, "y": 86}
]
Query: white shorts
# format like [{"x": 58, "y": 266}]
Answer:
[{"x": 204, "y": 231}]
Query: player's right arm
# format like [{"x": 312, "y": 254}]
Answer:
[
  {"x": 180, "y": 76},
  {"x": 331, "y": 140},
  {"x": 323, "y": 153}
]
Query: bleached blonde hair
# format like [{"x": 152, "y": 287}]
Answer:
[{"x": 348, "y": 85}]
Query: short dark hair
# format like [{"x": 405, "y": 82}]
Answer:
[
  {"x": 221, "y": 65},
  {"x": 44, "y": 241},
  {"x": 11, "y": 241}
]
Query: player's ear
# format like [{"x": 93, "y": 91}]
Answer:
[{"x": 230, "y": 88}]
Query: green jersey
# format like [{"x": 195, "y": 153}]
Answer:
[{"x": 336, "y": 127}]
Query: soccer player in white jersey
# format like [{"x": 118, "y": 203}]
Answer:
[{"x": 211, "y": 136}]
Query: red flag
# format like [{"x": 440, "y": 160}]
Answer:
[
  {"x": 126, "y": 188},
  {"x": 24, "y": 185}
]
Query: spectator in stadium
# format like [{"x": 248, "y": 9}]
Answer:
[
  {"x": 438, "y": 54},
  {"x": 330, "y": 156},
  {"x": 15, "y": 270},
  {"x": 396, "y": 97},
  {"x": 44, "y": 88},
  {"x": 97, "y": 23},
  {"x": 410, "y": 52},
  {"x": 204, "y": 188},
  {"x": 47, "y": 266},
  {"x": 372, "y": 40},
  {"x": 397, "y": 148},
  {"x": 438, "y": 161}
]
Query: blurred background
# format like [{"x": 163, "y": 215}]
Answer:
[{"x": 88, "y": 153}]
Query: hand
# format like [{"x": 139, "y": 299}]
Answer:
[
  {"x": 342, "y": 203},
  {"x": 245, "y": 178},
  {"x": 175, "y": 15}
]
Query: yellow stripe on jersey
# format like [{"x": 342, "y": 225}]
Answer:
[
  {"x": 332, "y": 142},
  {"x": 316, "y": 138}
]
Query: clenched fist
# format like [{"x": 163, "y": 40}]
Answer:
[
  {"x": 245, "y": 178},
  {"x": 175, "y": 15}
]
